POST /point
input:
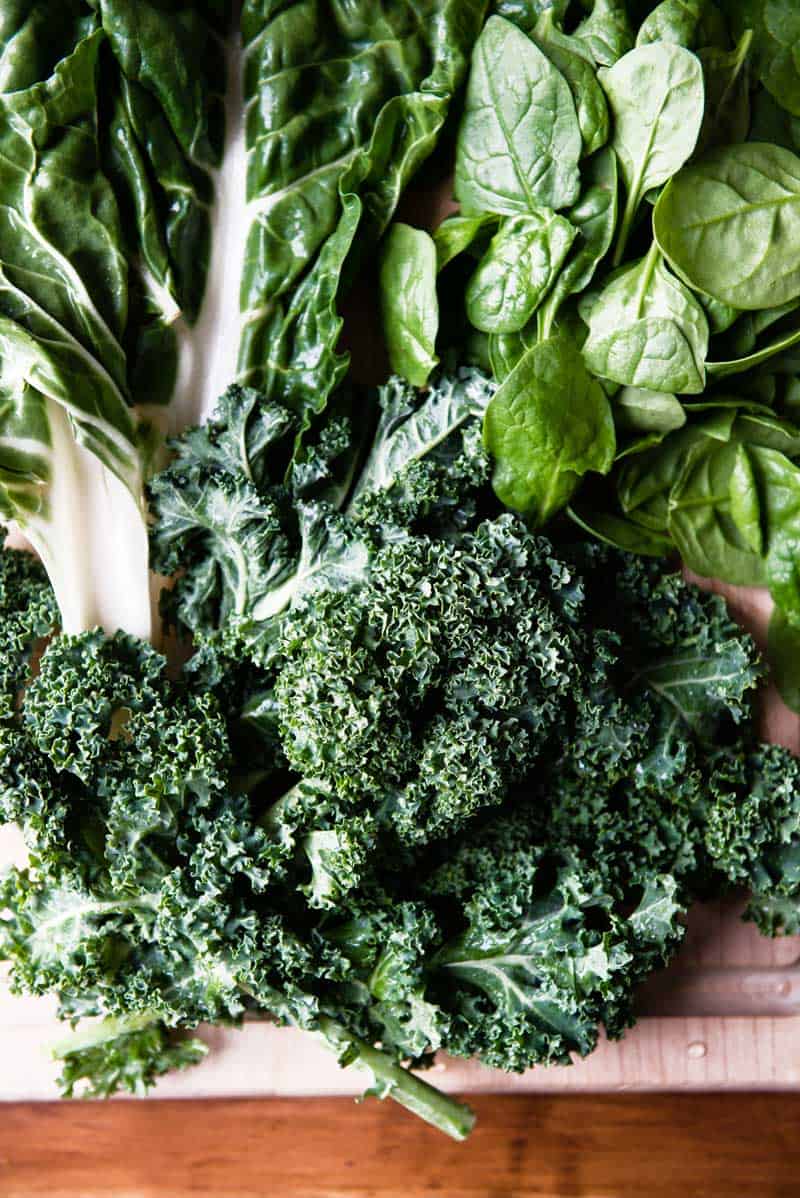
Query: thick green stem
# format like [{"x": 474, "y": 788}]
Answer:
[
  {"x": 94, "y": 1032},
  {"x": 393, "y": 1081}
]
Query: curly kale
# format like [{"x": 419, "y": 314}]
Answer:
[
  {"x": 428, "y": 782},
  {"x": 449, "y": 669}
]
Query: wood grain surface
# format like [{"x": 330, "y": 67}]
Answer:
[{"x": 692, "y": 1146}]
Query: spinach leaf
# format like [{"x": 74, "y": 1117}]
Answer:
[
  {"x": 458, "y": 233},
  {"x": 730, "y": 225},
  {"x": 517, "y": 270},
  {"x": 689, "y": 23},
  {"x": 343, "y": 104},
  {"x": 702, "y": 517},
  {"x": 783, "y": 651},
  {"x": 619, "y": 532},
  {"x": 726, "y": 118},
  {"x": 519, "y": 143},
  {"x": 776, "y": 26},
  {"x": 743, "y": 336},
  {"x": 409, "y": 303},
  {"x": 525, "y": 13},
  {"x": 548, "y": 424},
  {"x": 575, "y": 64},
  {"x": 640, "y": 411},
  {"x": 777, "y": 481},
  {"x": 595, "y": 218},
  {"x": 606, "y": 33},
  {"x": 720, "y": 316},
  {"x": 647, "y": 330},
  {"x": 780, "y": 343},
  {"x": 773, "y": 124},
  {"x": 656, "y": 98},
  {"x": 696, "y": 488},
  {"x": 506, "y": 349},
  {"x": 646, "y": 481}
]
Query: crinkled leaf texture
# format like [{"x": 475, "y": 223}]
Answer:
[{"x": 326, "y": 165}]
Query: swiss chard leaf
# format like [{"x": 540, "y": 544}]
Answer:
[{"x": 327, "y": 162}]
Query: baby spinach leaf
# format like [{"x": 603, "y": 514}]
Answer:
[
  {"x": 621, "y": 533},
  {"x": 745, "y": 502},
  {"x": 656, "y": 98},
  {"x": 517, "y": 270},
  {"x": 595, "y": 218},
  {"x": 645, "y": 482},
  {"x": 778, "y": 483},
  {"x": 647, "y": 330},
  {"x": 525, "y": 13},
  {"x": 408, "y": 300},
  {"x": 700, "y": 489},
  {"x": 576, "y": 65},
  {"x": 745, "y": 332},
  {"x": 783, "y": 651},
  {"x": 779, "y": 343},
  {"x": 548, "y": 424},
  {"x": 701, "y": 519},
  {"x": 773, "y": 124},
  {"x": 726, "y": 118},
  {"x": 642, "y": 411},
  {"x": 519, "y": 143},
  {"x": 730, "y": 225},
  {"x": 506, "y": 349},
  {"x": 776, "y": 26},
  {"x": 606, "y": 33},
  {"x": 688, "y": 23},
  {"x": 458, "y": 233}
]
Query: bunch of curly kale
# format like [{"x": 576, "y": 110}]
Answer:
[{"x": 428, "y": 781}]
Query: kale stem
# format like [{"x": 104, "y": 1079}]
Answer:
[
  {"x": 93, "y": 1032},
  {"x": 393, "y": 1081}
]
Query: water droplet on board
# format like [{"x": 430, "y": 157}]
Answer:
[{"x": 697, "y": 1049}]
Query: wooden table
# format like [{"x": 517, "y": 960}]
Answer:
[{"x": 728, "y": 1146}]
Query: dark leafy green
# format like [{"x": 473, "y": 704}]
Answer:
[
  {"x": 541, "y": 446},
  {"x": 408, "y": 299},
  {"x": 327, "y": 164},
  {"x": 518, "y": 147},
  {"x": 730, "y": 225}
]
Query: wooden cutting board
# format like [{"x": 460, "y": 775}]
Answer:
[{"x": 726, "y": 1015}]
